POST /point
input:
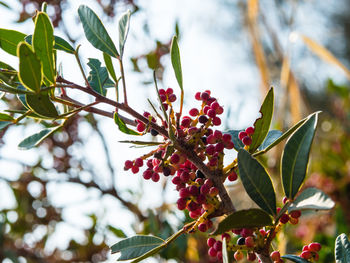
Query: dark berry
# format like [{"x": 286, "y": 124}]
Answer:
[
  {"x": 284, "y": 219},
  {"x": 205, "y": 96},
  {"x": 199, "y": 174},
  {"x": 166, "y": 171},
  {"x": 169, "y": 91},
  {"x": 247, "y": 140},
  {"x": 202, "y": 119},
  {"x": 154, "y": 132},
  {"x": 172, "y": 98},
  {"x": 295, "y": 214},
  {"x": 241, "y": 241},
  {"x": 202, "y": 227}
]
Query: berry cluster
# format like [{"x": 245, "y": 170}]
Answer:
[
  {"x": 310, "y": 251},
  {"x": 246, "y": 136}
]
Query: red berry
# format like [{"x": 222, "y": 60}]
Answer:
[
  {"x": 162, "y": 98},
  {"x": 201, "y": 199},
  {"x": 226, "y": 235},
  {"x": 262, "y": 232},
  {"x": 215, "y": 105},
  {"x": 175, "y": 158},
  {"x": 184, "y": 176},
  {"x": 219, "y": 110},
  {"x": 155, "y": 177},
  {"x": 194, "y": 112},
  {"x": 278, "y": 209},
  {"x": 140, "y": 127},
  {"x": 169, "y": 91},
  {"x": 213, "y": 161},
  {"x": 242, "y": 134},
  {"x": 139, "y": 162},
  {"x": 293, "y": 221},
  {"x": 176, "y": 180},
  {"x": 305, "y": 248},
  {"x": 295, "y": 214},
  {"x": 172, "y": 98},
  {"x": 285, "y": 199},
  {"x": 238, "y": 255},
  {"x": 249, "y": 130},
  {"x": 249, "y": 241},
  {"x": 202, "y": 227},
  {"x": 206, "y": 109},
  {"x": 218, "y": 245},
  {"x": 315, "y": 247},
  {"x": 211, "y": 139},
  {"x": 210, "y": 150},
  {"x": 135, "y": 169},
  {"x": 128, "y": 164},
  {"x": 284, "y": 219},
  {"x": 197, "y": 96},
  {"x": 162, "y": 92},
  {"x": 251, "y": 256},
  {"x": 205, "y": 96},
  {"x": 212, "y": 252},
  {"x": 232, "y": 176},
  {"x": 184, "y": 193},
  {"x": 219, "y": 255},
  {"x": 219, "y": 147},
  {"x": 213, "y": 191},
  {"x": 275, "y": 256},
  {"x": 193, "y": 190},
  {"x": 211, "y": 113},
  {"x": 211, "y": 241},
  {"x": 181, "y": 203},
  {"x": 205, "y": 189},
  {"x": 306, "y": 255},
  {"x": 147, "y": 174},
  {"x": 226, "y": 137},
  {"x": 247, "y": 140},
  {"x": 216, "y": 121},
  {"x": 186, "y": 122},
  {"x": 316, "y": 256},
  {"x": 246, "y": 232}
]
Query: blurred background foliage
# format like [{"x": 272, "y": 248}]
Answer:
[{"x": 266, "y": 31}]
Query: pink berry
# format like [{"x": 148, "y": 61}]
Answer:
[
  {"x": 232, "y": 176},
  {"x": 175, "y": 158},
  {"x": 218, "y": 245},
  {"x": 176, "y": 180},
  {"x": 194, "y": 112},
  {"x": 172, "y": 98},
  {"x": 219, "y": 255},
  {"x": 169, "y": 91},
  {"x": 197, "y": 96},
  {"x": 205, "y": 189},
  {"x": 242, "y": 134},
  {"x": 140, "y": 127},
  {"x": 184, "y": 193},
  {"x": 247, "y": 140},
  {"x": 249, "y": 130},
  {"x": 135, "y": 169},
  {"x": 249, "y": 241},
  {"x": 211, "y": 241},
  {"x": 193, "y": 190},
  {"x": 306, "y": 255},
  {"x": 181, "y": 203}
]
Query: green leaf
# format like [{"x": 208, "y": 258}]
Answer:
[
  {"x": 43, "y": 42},
  {"x": 5, "y": 117},
  {"x": 271, "y": 137},
  {"x": 4, "y": 124},
  {"x": 225, "y": 258},
  {"x": 124, "y": 23},
  {"x": 238, "y": 144},
  {"x": 295, "y": 156},
  {"x": 98, "y": 77},
  {"x": 262, "y": 124},
  {"x": 95, "y": 32},
  {"x": 108, "y": 61},
  {"x": 136, "y": 246},
  {"x": 250, "y": 218},
  {"x": 342, "y": 249},
  {"x": 116, "y": 231},
  {"x": 8, "y": 74},
  {"x": 296, "y": 259},
  {"x": 176, "y": 62},
  {"x": 60, "y": 44},
  {"x": 6, "y": 88},
  {"x": 9, "y": 39},
  {"x": 41, "y": 105},
  {"x": 30, "y": 70},
  {"x": 256, "y": 182},
  {"x": 35, "y": 139},
  {"x": 312, "y": 199},
  {"x": 122, "y": 126}
]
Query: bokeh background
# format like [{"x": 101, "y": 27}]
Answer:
[{"x": 69, "y": 199}]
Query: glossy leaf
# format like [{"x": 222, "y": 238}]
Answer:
[
  {"x": 60, "y": 44},
  {"x": 122, "y": 126},
  {"x": 4, "y": 124},
  {"x": 262, "y": 124},
  {"x": 295, "y": 156},
  {"x": 124, "y": 23},
  {"x": 225, "y": 258},
  {"x": 9, "y": 39},
  {"x": 6, "y": 88},
  {"x": 8, "y": 74},
  {"x": 136, "y": 246},
  {"x": 342, "y": 249},
  {"x": 35, "y": 139},
  {"x": 250, "y": 218},
  {"x": 296, "y": 259},
  {"x": 271, "y": 137},
  {"x": 175, "y": 61},
  {"x": 256, "y": 182},
  {"x": 108, "y": 61},
  {"x": 238, "y": 144},
  {"x": 95, "y": 31},
  {"x": 5, "y": 117},
  {"x": 41, "y": 105},
  {"x": 30, "y": 69},
  {"x": 43, "y": 42},
  {"x": 312, "y": 199},
  {"x": 98, "y": 77}
]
